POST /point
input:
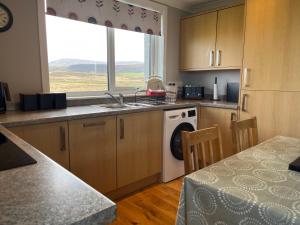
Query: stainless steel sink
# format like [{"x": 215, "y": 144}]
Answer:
[
  {"x": 136, "y": 104},
  {"x": 124, "y": 106},
  {"x": 115, "y": 106}
]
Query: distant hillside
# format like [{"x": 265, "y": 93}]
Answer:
[{"x": 88, "y": 66}]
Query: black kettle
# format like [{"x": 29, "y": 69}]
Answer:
[{"x": 4, "y": 95}]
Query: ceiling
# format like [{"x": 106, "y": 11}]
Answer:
[{"x": 183, "y": 4}]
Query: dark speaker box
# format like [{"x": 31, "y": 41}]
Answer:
[
  {"x": 28, "y": 102},
  {"x": 60, "y": 101},
  {"x": 233, "y": 90},
  {"x": 46, "y": 101}
]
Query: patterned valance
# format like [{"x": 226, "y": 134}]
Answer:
[{"x": 110, "y": 13}]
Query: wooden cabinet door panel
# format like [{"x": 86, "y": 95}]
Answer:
[
  {"x": 93, "y": 152},
  {"x": 198, "y": 38},
  {"x": 52, "y": 139},
  {"x": 139, "y": 146},
  {"x": 272, "y": 47},
  {"x": 230, "y": 37},
  {"x": 278, "y": 113},
  {"x": 210, "y": 116}
]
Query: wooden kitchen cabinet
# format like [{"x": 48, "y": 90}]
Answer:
[
  {"x": 198, "y": 39},
  {"x": 209, "y": 116},
  {"x": 139, "y": 146},
  {"x": 93, "y": 152},
  {"x": 277, "y": 112},
  {"x": 230, "y": 32},
  {"x": 213, "y": 40},
  {"x": 52, "y": 139},
  {"x": 272, "y": 47}
]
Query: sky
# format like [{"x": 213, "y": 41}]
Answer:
[{"x": 79, "y": 40}]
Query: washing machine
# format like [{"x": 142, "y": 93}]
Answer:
[{"x": 176, "y": 121}]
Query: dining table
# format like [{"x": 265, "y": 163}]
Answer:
[{"x": 253, "y": 187}]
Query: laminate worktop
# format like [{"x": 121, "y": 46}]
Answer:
[
  {"x": 18, "y": 118},
  {"x": 46, "y": 193}
]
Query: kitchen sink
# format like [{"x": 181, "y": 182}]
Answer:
[
  {"x": 115, "y": 106},
  {"x": 124, "y": 106},
  {"x": 136, "y": 104}
]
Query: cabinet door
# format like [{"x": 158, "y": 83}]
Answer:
[
  {"x": 93, "y": 151},
  {"x": 278, "y": 113},
  {"x": 139, "y": 146},
  {"x": 210, "y": 116},
  {"x": 198, "y": 38},
  {"x": 272, "y": 47},
  {"x": 52, "y": 139},
  {"x": 230, "y": 34}
]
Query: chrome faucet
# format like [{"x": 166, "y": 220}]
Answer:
[{"x": 120, "y": 100}]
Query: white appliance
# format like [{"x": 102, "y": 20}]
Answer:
[{"x": 176, "y": 121}]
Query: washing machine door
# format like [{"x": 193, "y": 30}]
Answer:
[{"x": 176, "y": 143}]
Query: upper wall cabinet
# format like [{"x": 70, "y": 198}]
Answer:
[
  {"x": 213, "y": 40},
  {"x": 198, "y": 39},
  {"x": 272, "y": 47}
]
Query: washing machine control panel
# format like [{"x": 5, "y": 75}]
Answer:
[
  {"x": 183, "y": 115},
  {"x": 191, "y": 113}
]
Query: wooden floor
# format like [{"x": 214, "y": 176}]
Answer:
[{"x": 155, "y": 205}]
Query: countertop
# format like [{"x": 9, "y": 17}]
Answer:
[
  {"x": 18, "y": 118},
  {"x": 46, "y": 193}
]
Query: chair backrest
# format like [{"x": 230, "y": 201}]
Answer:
[
  {"x": 245, "y": 133},
  {"x": 197, "y": 142}
]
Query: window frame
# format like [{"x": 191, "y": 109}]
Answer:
[{"x": 154, "y": 51}]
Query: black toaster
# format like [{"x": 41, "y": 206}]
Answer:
[{"x": 193, "y": 92}]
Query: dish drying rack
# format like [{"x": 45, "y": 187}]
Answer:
[{"x": 141, "y": 97}]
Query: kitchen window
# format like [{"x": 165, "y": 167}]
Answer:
[{"x": 88, "y": 59}]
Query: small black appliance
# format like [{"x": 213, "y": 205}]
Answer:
[
  {"x": 193, "y": 92},
  {"x": 4, "y": 95},
  {"x": 233, "y": 90}
]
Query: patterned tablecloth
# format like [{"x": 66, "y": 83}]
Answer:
[{"x": 250, "y": 188}]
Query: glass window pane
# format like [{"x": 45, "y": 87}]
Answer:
[
  {"x": 130, "y": 59},
  {"x": 77, "y": 55}
]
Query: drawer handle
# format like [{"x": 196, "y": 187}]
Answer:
[
  {"x": 62, "y": 139},
  {"x": 122, "y": 128},
  {"x": 211, "y": 58},
  {"x": 99, "y": 124},
  {"x": 244, "y": 103}
]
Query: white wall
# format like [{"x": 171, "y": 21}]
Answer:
[{"x": 19, "y": 50}]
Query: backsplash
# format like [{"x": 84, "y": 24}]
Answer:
[{"x": 207, "y": 78}]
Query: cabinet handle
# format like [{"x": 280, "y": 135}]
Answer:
[
  {"x": 244, "y": 103},
  {"x": 246, "y": 77},
  {"x": 122, "y": 128},
  {"x": 211, "y": 58},
  {"x": 62, "y": 139},
  {"x": 218, "y": 58},
  {"x": 233, "y": 116},
  {"x": 99, "y": 124}
]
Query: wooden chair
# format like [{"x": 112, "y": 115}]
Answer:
[
  {"x": 197, "y": 142},
  {"x": 245, "y": 133}
]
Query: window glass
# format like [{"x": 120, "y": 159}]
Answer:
[
  {"x": 77, "y": 55},
  {"x": 129, "y": 59}
]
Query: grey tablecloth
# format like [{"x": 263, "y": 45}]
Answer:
[{"x": 250, "y": 188}]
